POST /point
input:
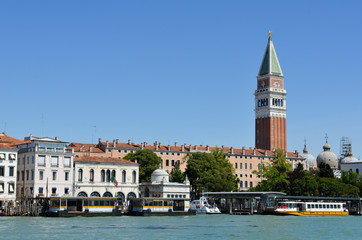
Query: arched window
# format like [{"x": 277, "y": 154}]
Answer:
[
  {"x": 121, "y": 196},
  {"x": 95, "y": 194},
  {"x": 130, "y": 196},
  {"x": 357, "y": 170},
  {"x": 124, "y": 176},
  {"x": 134, "y": 175},
  {"x": 91, "y": 175},
  {"x": 172, "y": 162},
  {"x": 241, "y": 184},
  {"x": 107, "y": 194},
  {"x": 267, "y": 102},
  {"x": 281, "y": 102},
  {"x": 246, "y": 184},
  {"x": 103, "y": 176},
  {"x": 82, "y": 194},
  {"x": 108, "y": 176},
  {"x": 80, "y": 175},
  {"x": 251, "y": 184}
]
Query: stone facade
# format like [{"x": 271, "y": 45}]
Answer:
[{"x": 105, "y": 177}]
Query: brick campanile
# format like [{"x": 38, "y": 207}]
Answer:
[{"x": 270, "y": 103}]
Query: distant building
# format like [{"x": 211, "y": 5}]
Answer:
[
  {"x": 310, "y": 160},
  {"x": 45, "y": 168},
  {"x": 350, "y": 163},
  {"x": 161, "y": 187},
  {"x": 105, "y": 177},
  {"x": 244, "y": 160}
]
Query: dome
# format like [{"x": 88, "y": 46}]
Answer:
[
  {"x": 310, "y": 161},
  {"x": 159, "y": 175},
  {"x": 349, "y": 158},
  {"x": 328, "y": 157}
]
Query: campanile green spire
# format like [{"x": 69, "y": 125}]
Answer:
[{"x": 270, "y": 63}]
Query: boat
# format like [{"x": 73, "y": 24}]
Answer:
[
  {"x": 83, "y": 206},
  {"x": 202, "y": 206},
  {"x": 159, "y": 206},
  {"x": 312, "y": 208}
]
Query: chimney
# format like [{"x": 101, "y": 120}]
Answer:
[
  {"x": 142, "y": 145},
  {"x": 286, "y": 154},
  {"x": 129, "y": 141},
  {"x": 243, "y": 151},
  {"x": 56, "y": 138},
  {"x": 207, "y": 148},
  {"x": 190, "y": 147},
  {"x": 99, "y": 139},
  {"x": 114, "y": 143},
  {"x": 183, "y": 148},
  {"x": 232, "y": 150},
  {"x": 175, "y": 144},
  {"x": 254, "y": 152},
  {"x": 222, "y": 146},
  {"x": 155, "y": 143},
  {"x": 146, "y": 144},
  {"x": 266, "y": 153},
  {"x": 107, "y": 143},
  {"x": 90, "y": 149},
  {"x": 169, "y": 148},
  {"x": 196, "y": 147},
  {"x": 117, "y": 140},
  {"x": 81, "y": 148}
]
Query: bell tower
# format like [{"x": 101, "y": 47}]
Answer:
[{"x": 270, "y": 103}]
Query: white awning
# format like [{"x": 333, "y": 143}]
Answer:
[
  {"x": 2, "y": 155},
  {"x": 12, "y": 156},
  {"x": 1, "y": 188},
  {"x": 11, "y": 187}
]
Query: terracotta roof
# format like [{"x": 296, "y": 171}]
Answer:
[
  {"x": 6, "y": 146},
  {"x": 88, "y": 159},
  {"x": 9, "y": 140},
  {"x": 84, "y": 147}
]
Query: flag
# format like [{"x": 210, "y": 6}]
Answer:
[{"x": 113, "y": 180}]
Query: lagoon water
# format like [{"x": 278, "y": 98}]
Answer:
[{"x": 182, "y": 227}]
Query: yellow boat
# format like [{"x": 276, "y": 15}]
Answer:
[{"x": 312, "y": 208}]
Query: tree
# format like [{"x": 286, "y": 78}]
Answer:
[
  {"x": 148, "y": 162},
  {"x": 176, "y": 174},
  {"x": 210, "y": 172},
  {"x": 325, "y": 170},
  {"x": 276, "y": 174}
]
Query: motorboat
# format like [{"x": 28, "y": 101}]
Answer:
[{"x": 202, "y": 206}]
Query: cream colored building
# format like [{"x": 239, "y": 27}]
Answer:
[
  {"x": 161, "y": 187},
  {"x": 105, "y": 177},
  {"x": 45, "y": 168},
  {"x": 8, "y": 157}
]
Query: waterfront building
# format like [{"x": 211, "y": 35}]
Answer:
[
  {"x": 105, "y": 177},
  {"x": 244, "y": 160},
  {"x": 45, "y": 168},
  {"x": 270, "y": 103},
  {"x": 161, "y": 187},
  {"x": 328, "y": 157},
  {"x": 8, "y": 168}
]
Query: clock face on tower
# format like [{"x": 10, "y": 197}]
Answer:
[{"x": 276, "y": 84}]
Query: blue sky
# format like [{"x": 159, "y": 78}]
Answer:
[{"x": 178, "y": 71}]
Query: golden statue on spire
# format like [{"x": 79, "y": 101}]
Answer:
[{"x": 270, "y": 33}]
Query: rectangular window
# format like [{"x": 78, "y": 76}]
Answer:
[
  {"x": 22, "y": 175},
  {"x": 66, "y": 161},
  {"x": 11, "y": 187},
  {"x": 41, "y": 160},
  {"x": 2, "y": 171},
  {"x": 54, "y": 176},
  {"x": 32, "y": 159},
  {"x": 236, "y": 165},
  {"x": 55, "y": 160},
  {"x": 167, "y": 162},
  {"x": 12, "y": 157},
  {"x": 11, "y": 171},
  {"x": 1, "y": 187},
  {"x": 54, "y": 190},
  {"x": 173, "y": 162},
  {"x": 246, "y": 166},
  {"x": 27, "y": 160},
  {"x": 32, "y": 175},
  {"x": 27, "y": 175},
  {"x": 66, "y": 190},
  {"x": 66, "y": 176},
  {"x": 41, "y": 175},
  {"x": 40, "y": 190},
  {"x": 251, "y": 166}
]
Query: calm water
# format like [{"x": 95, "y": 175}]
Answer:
[{"x": 186, "y": 227}]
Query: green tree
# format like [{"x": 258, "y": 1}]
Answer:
[
  {"x": 176, "y": 174},
  {"x": 325, "y": 170},
  {"x": 148, "y": 162},
  {"x": 276, "y": 174},
  {"x": 210, "y": 172}
]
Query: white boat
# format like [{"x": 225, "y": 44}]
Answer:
[
  {"x": 203, "y": 207},
  {"x": 312, "y": 208}
]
